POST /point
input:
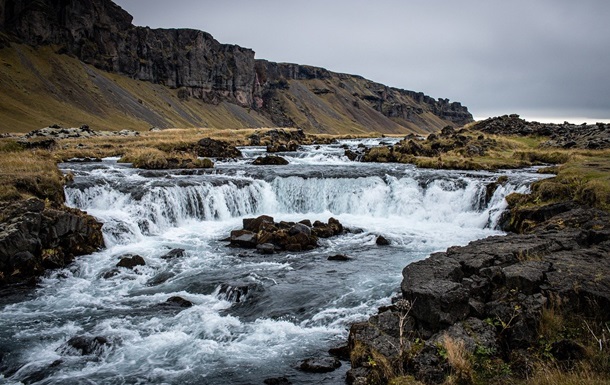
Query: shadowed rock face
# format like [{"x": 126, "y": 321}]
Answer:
[
  {"x": 34, "y": 238},
  {"x": 101, "y": 33}
]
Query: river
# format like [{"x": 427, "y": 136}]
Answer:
[{"x": 253, "y": 316}]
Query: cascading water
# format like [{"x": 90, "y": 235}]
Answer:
[{"x": 253, "y": 316}]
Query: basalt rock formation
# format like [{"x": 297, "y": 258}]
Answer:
[
  {"x": 566, "y": 135},
  {"x": 224, "y": 80},
  {"x": 34, "y": 237},
  {"x": 491, "y": 297}
]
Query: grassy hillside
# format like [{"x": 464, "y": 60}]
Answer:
[{"x": 39, "y": 87}]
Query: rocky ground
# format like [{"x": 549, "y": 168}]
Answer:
[
  {"x": 566, "y": 135},
  {"x": 481, "y": 313}
]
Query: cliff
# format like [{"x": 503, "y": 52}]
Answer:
[{"x": 204, "y": 82}]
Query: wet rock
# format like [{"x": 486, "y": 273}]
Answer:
[
  {"x": 319, "y": 365},
  {"x": 178, "y": 302},
  {"x": 268, "y": 236},
  {"x": 130, "y": 261},
  {"x": 243, "y": 238},
  {"x": 174, "y": 253},
  {"x": 339, "y": 257},
  {"x": 341, "y": 352},
  {"x": 266, "y": 248},
  {"x": 236, "y": 292},
  {"x": 85, "y": 345},
  {"x": 270, "y": 160},
  {"x": 491, "y": 294},
  {"x": 254, "y": 224},
  {"x": 381, "y": 241}
]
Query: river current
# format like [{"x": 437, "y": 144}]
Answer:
[{"x": 253, "y": 316}]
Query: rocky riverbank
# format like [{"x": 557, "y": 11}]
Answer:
[
  {"x": 35, "y": 237},
  {"x": 498, "y": 308}
]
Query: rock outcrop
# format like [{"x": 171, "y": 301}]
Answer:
[
  {"x": 34, "y": 238},
  {"x": 566, "y": 135},
  {"x": 492, "y": 296},
  {"x": 268, "y": 237},
  {"x": 195, "y": 65}
]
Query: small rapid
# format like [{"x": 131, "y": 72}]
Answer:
[{"x": 252, "y": 316}]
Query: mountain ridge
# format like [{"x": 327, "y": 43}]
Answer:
[{"x": 206, "y": 78}]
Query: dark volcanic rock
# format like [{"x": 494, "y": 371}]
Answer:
[
  {"x": 178, "y": 302},
  {"x": 491, "y": 294},
  {"x": 270, "y": 160},
  {"x": 269, "y": 237},
  {"x": 130, "y": 261},
  {"x": 85, "y": 345},
  {"x": 382, "y": 241},
  {"x": 211, "y": 148},
  {"x": 319, "y": 365},
  {"x": 34, "y": 238},
  {"x": 566, "y": 135},
  {"x": 174, "y": 253}
]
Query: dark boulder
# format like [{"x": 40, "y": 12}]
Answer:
[
  {"x": 319, "y": 365},
  {"x": 254, "y": 224},
  {"x": 178, "y": 302},
  {"x": 130, "y": 261},
  {"x": 243, "y": 238},
  {"x": 382, "y": 241},
  {"x": 211, "y": 148},
  {"x": 85, "y": 345},
  {"x": 270, "y": 160}
]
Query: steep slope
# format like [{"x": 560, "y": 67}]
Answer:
[{"x": 179, "y": 77}]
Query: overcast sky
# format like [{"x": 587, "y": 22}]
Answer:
[{"x": 538, "y": 58}]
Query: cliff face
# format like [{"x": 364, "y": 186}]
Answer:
[{"x": 195, "y": 65}]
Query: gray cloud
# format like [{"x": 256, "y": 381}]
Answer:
[{"x": 545, "y": 57}]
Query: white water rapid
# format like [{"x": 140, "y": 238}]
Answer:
[{"x": 253, "y": 316}]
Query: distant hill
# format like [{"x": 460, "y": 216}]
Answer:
[{"x": 74, "y": 62}]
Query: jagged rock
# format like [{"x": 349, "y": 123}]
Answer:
[
  {"x": 491, "y": 294},
  {"x": 130, "y": 261},
  {"x": 270, "y": 160},
  {"x": 319, "y": 365},
  {"x": 236, "y": 292},
  {"x": 34, "y": 237},
  {"x": 254, "y": 224},
  {"x": 566, "y": 135},
  {"x": 268, "y": 237},
  {"x": 85, "y": 345},
  {"x": 211, "y": 148}
]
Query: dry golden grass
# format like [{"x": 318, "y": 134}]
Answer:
[
  {"x": 460, "y": 361},
  {"x": 27, "y": 174}
]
